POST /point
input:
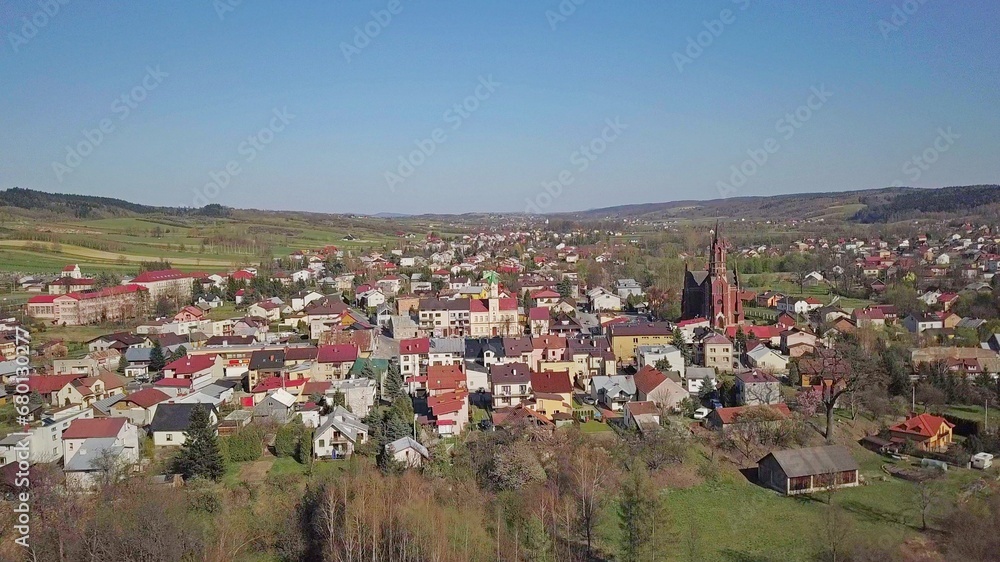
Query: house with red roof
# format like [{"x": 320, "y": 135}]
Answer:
[
  {"x": 139, "y": 407},
  {"x": 552, "y": 394},
  {"x": 539, "y": 320},
  {"x": 640, "y": 414},
  {"x": 654, "y": 386},
  {"x": 334, "y": 362},
  {"x": 86, "y": 443},
  {"x": 200, "y": 369},
  {"x": 48, "y": 386},
  {"x": 110, "y": 304},
  {"x": 87, "y": 390},
  {"x": 926, "y": 432},
  {"x": 545, "y": 298},
  {"x": 189, "y": 314},
  {"x": 414, "y": 355}
]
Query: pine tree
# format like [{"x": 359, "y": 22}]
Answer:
[
  {"x": 200, "y": 456},
  {"x": 641, "y": 518},
  {"x": 156, "y": 359},
  {"x": 565, "y": 287},
  {"x": 122, "y": 364},
  {"x": 393, "y": 384}
]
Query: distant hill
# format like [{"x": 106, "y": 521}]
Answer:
[
  {"x": 866, "y": 206},
  {"x": 89, "y": 206}
]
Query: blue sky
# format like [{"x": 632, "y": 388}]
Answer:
[{"x": 267, "y": 90}]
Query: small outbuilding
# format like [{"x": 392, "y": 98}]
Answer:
[{"x": 804, "y": 471}]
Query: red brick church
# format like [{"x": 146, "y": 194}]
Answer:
[{"x": 713, "y": 294}]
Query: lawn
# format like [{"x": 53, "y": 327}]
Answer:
[
  {"x": 736, "y": 520},
  {"x": 594, "y": 427}
]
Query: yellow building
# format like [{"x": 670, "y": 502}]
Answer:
[{"x": 626, "y": 338}]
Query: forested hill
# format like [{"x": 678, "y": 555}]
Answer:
[
  {"x": 89, "y": 206},
  {"x": 962, "y": 200}
]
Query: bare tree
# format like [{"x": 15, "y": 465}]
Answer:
[{"x": 848, "y": 368}]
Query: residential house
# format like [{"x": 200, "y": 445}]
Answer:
[
  {"x": 276, "y": 406},
  {"x": 717, "y": 353},
  {"x": 926, "y": 432},
  {"x": 642, "y": 414},
  {"x": 334, "y": 362},
  {"x": 613, "y": 392},
  {"x": 722, "y": 419},
  {"x": 172, "y": 421},
  {"x": 652, "y": 354},
  {"x": 654, "y": 386},
  {"x": 408, "y": 452},
  {"x": 89, "y": 446},
  {"x": 339, "y": 435},
  {"x": 138, "y": 407},
  {"x": 552, "y": 394},
  {"x": 510, "y": 384},
  {"x": 757, "y": 388}
]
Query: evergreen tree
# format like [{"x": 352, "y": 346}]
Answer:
[
  {"x": 678, "y": 341},
  {"x": 565, "y": 288},
  {"x": 122, "y": 364},
  {"x": 177, "y": 354},
  {"x": 537, "y": 544},
  {"x": 156, "y": 359},
  {"x": 393, "y": 384},
  {"x": 200, "y": 456},
  {"x": 641, "y": 518}
]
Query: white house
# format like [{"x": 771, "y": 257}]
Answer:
[
  {"x": 171, "y": 421},
  {"x": 339, "y": 434},
  {"x": 86, "y": 443},
  {"x": 653, "y": 354},
  {"x": 408, "y": 452}
]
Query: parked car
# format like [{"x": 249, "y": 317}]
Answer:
[{"x": 701, "y": 413}]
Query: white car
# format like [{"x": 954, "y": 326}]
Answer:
[{"x": 701, "y": 413}]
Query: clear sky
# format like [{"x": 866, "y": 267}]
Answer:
[{"x": 319, "y": 105}]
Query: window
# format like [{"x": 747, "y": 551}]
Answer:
[
  {"x": 322, "y": 443},
  {"x": 170, "y": 437}
]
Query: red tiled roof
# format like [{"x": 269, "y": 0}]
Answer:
[
  {"x": 548, "y": 342},
  {"x": 274, "y": 383},
  {"x": 190, "y": 365},
  {"x": 161, "y": 275},
  {"x": 242, "y": 275},
  {"x": 92, "y": 428},
  {"x": 545, "y": 294},
  {"x": 418, "y": 346},
  {"x": 173, "y": 383},
  {"x": 337, "y": 353},
  {"x": 648, "y": 378},
  {"x": 539, "y": 313},
  {"x": 42, "y": 299},
  {"x": 445, "y": 377},
  {"x": 45, "y": 384},
  {"x": 924, "y": 425},
  {"x": 447, "y": 403},
  {"x": 641, "y": 408},
  {"x": 547, "y": 382},
  {"x": 147, "y": 397}
]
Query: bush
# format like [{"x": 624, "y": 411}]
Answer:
[
  {"x": 286, "y": 442},
  {"x": 245, "y": 446}
]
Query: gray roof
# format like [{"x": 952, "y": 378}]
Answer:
[
  {"x": 407, "y": 443},
  {"x": 343, "y": 421},
  {"x": 614, "y": 385},
  {"x": 106, "y": 404},
  {"x": 448, "y": 345},
  {"x": 174, "y": 417},
  {"x": 138, "y": 354},
  {"x": 814, "y": 460},
  {"x": 90, "y": 452},
  {"x": 700, "y": 373}
]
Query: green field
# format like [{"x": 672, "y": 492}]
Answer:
[{"x": 188, "y": 243}]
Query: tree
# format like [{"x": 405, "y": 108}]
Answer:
[
  {"x": 156, "y": 359},
  {"x": 677, "y": 340},
  {"x": 178, "y": 353},
  {"x": 122, "y": 364},
  {"x": 663, "y": 365},
  {"x": 393, "y": 384},
  {"x": 847, "y": 368},
  {"x": 565, "y": 288},
  {"x": 286, "y": 440},
  {"x": 641, "y": 518},
  {"x": 588, "y": 475},
  {"x": 200, "y": 455},
  {"x": 808, "y": 401}
]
